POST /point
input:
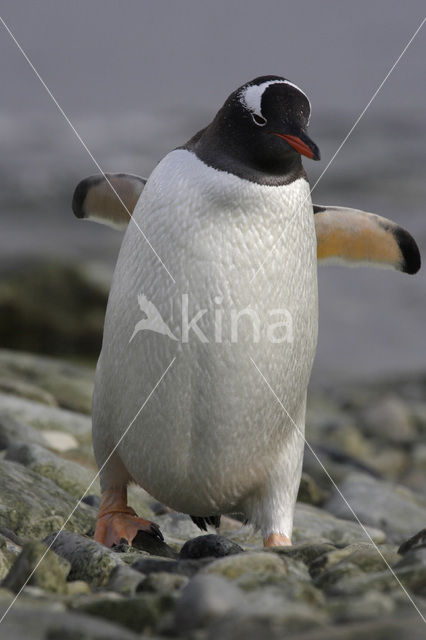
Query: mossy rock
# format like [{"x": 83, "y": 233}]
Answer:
[
  {"x": 138, "y": 613},
  {"x": 41, "y": 567},
  {"x": 70, "y": 476},
  {"x": 249, "y": 570},
  {"x": 33, "y": 506}
]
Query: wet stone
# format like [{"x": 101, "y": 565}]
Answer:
[
  {"x": 209, "y": 546},
  {"x": 188, "y": 567}
]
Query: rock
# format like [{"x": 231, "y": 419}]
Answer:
[
  {"x": 267, "y": 615},
  {"x": 138, "y": 613},
  {"x": 58, "y": 382},
  {"x": 7, "y": 557},
  {"x": 372, "y": 604},
  {"x": 45, "y": 418},
  {"x": 13, "y": 430},
  {"x": 414, "y": 476},
  {"x": 33, "y": 506},
  {"x": 41, "y": 567},
  {"x": 163, "y": 582},
  {"x": 305, "y": 551},
  {"x": 43, "y": 623},
  {"x": 11, "y": 538},
  {"x": 187, "y": 567},
  {"x": 26, "y": 390},
  {"x": 77, "y": 588},
  {"x": 362, "y": 554},
  {"x": 60, "y": 441},
  {"x": 124, "y": 580},
  {"x": 205, "y": 598},
  {"x": 70, "y": 476},
  {"x": 51, "y": 306},
  {"x": 128, "y": 554},
  {"x": 311, "y": 522},
  {"x": 354, "y": 560},
  {"x": 90, "y": 561},
  {"x": 389, "y": 462},
  {"x": 177, "y": 527},
  {"x": 310, "y": 492},
  {"x": 389, "y": 419},
  {"x": 380, "y": 504},
  {"x": 209, "y": 545},
  {"x": 410, "y": 571},
  {"x": 229, "y": 524},
  {"x": 249, "y": 570},
  {"x": 410, "y": 627}
]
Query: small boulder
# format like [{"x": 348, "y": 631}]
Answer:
[{"x": 209, "y": 546}]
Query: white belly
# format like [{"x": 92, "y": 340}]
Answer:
[{"x": 212, "y": 433}]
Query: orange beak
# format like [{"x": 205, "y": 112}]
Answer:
[{"x": 300, "y": 146}]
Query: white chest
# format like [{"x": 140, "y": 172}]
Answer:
[{"x": 235, "y": 249}]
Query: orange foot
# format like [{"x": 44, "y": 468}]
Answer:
[
  {"x": 117, "y": 521},
  {"x": 276, "y": 540}
]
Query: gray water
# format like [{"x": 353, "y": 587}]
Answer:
[{"x": 139, "y": 78}]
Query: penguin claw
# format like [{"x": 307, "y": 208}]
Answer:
[
  {"x": 113, "y": 528},
  {"x": 155, "y": 530}
]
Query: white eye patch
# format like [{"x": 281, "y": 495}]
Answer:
[
  {"x": 259, "y": 120},
  {"x": 251, "y": 98}
]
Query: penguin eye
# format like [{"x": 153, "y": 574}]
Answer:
[{"x": 259, "y": 120}]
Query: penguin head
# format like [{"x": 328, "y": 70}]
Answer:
[
  {"x": 261, "y": 128},
  {"x": 278, "y": 109}
]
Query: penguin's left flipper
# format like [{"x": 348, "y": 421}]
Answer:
[
  {"x": 353, "y": 238},
  {"x": 109, "y": 199}
]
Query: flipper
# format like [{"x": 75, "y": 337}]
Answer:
[
  {"x": 94, "y": 199},
  {"x": 203, "y": 522},
  {"x": 353, "y": 237},
  {"x": 347, "y": 236}
]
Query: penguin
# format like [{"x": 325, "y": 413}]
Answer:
[{"x": 231, "y": 218}]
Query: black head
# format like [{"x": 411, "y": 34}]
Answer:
[{"x": 259, "y": 133}]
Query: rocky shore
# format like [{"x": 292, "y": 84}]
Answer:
[{"x": 332, "y": 583}]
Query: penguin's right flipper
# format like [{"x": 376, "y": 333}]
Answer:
[
  {"x": 353, "y": 237},
  {"x": 108, "y": 199}
]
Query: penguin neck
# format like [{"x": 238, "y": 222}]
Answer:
[{"x": 224, "y": 152}]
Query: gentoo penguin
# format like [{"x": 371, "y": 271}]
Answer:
[{"x": 203, "y": 433}]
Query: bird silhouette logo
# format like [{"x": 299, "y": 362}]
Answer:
[{"x": 153, "y": 321}]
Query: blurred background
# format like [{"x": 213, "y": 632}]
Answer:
[{"x": 138, "y": 78}]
